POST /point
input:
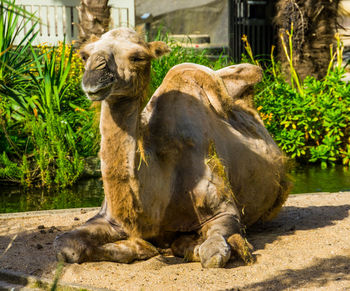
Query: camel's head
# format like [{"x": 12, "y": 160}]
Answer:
[{"x": 118, "y": 64}]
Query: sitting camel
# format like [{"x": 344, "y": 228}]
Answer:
[{"x": 190, "y": 171}]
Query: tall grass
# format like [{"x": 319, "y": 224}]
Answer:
[
  {"x": 14, "y": 68},
  {"x": 46, "y": 121}
]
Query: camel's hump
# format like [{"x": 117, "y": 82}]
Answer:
[
  {"x": 237, "y": 78},
  {"x": 200, "y": 82},
  {"x": 222, "y": 88}
]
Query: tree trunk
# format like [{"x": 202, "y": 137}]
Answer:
[
  {"x": 315, "y": 23},
  {"x": 94, "y": 19}
]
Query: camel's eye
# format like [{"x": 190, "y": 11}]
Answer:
[
  {"x": 100, "y": 65},
  {"x": 84, "y": 56},
  {"x": 137, "y": 58}
]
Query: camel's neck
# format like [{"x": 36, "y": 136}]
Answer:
[{"x": 119, "y": 130}]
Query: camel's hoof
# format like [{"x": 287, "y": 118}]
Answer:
[
  {"x": 144, "y": 249},
  {"x": 214, "y": 252},
  {"x": 69, "y": 249}
]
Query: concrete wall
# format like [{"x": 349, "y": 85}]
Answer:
[
  {"x": 345, "y": 22},
  {"x": 188, "y": 17}
]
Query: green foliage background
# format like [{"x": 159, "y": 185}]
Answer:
[
  {"x": 46, "y": 125},
  {"x": 309, "y": 121},
  {"x": 310, "y": 127},
  {"x": 48, "y": 128}
]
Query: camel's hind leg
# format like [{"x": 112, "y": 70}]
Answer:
[
  {"x": 222, "y": 239},
  {"x": 101, "y": 239},
  {"x": 79, "y": 244},
  {"x": 186, "y": 246},
  {"x": 125, "y": 251},
  {"x": 241, "y": 248}
]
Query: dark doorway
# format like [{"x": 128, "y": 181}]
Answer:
[{"x": 254, "y": 19}]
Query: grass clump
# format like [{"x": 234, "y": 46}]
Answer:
[{"x": 214, "y": 162}]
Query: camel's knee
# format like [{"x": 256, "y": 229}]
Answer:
[
  {"x": 103, "y": 231},
  {"x": 224, "y": 225}
]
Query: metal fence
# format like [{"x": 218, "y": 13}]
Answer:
[
  {"x": 254, "y": 19},
  {"x": 57, "y": 18}
]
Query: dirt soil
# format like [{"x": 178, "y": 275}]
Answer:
[{"x": 307, "y": 247}]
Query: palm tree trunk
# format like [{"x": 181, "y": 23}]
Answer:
[
  {"x": 315, "y": 23},
  {"x": 94, "y": 19}
]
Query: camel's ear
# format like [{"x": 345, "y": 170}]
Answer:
[
  {"x": 239, "y": 78},
  {"x": 93, "y": 38},
  {"x": 158, "y": 48},
  {"x": 83, "y": 51}
]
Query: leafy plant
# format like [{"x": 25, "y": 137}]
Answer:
[
  {"x": 50, "y": 81},
  {"x": 55, "y": 132},
  {"x": 309, "y": 122},
  {"x": 46, "y": 125},
  {"x": 8, "y": 169},
  {"x": 14, "y": 69}
]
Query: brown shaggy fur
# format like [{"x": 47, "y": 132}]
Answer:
[{"x": 190, "y": 170}]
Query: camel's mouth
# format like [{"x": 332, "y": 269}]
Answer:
[{"x": 99, "y": 95}]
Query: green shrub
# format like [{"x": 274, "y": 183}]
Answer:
[
  {"x": 310, "y": 122},
  {"x": 8, "y": 169}
]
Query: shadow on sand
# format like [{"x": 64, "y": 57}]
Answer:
[
  {"x": 29, "y": 252},
  {"x": 292, "y": 218},
  {"x": 315, "y": 276}
]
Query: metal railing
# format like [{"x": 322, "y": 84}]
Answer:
[
  {"x": 57, "y": 18},
  {"x": 254, "y": 19}
]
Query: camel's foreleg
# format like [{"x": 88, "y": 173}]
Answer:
[{"x": 222, "y": 239}]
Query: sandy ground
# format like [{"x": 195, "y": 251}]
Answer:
[{"x": 307, "y": 247}]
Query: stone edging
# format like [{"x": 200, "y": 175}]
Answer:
[
  {"x": 46, "y": 212},
  {"x": 90, "y": 209}
]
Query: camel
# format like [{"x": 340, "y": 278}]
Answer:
[{"x": 190, "y": 171}]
